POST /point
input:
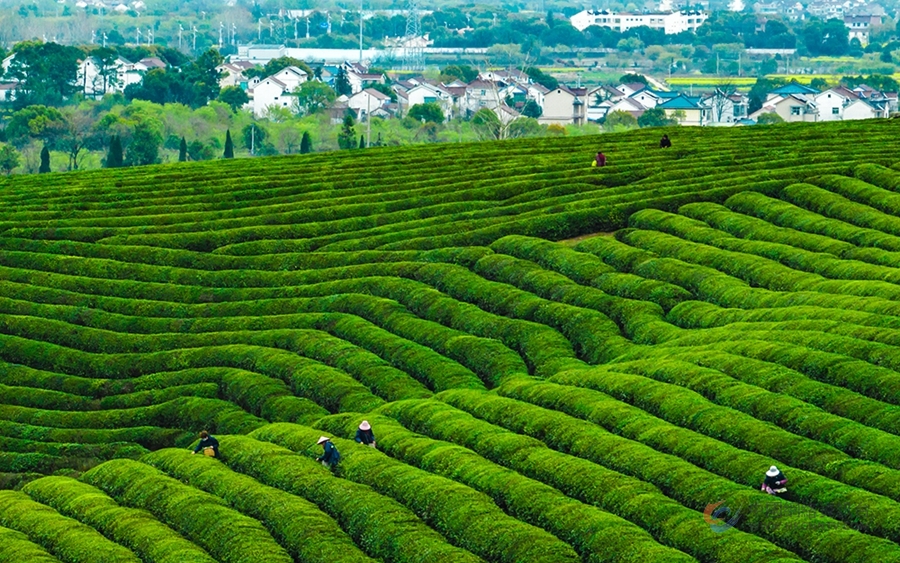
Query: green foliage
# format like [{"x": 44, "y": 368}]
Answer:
[
  {"x": 45, "y": 73},
  {"x": 430, "y": 112},
  {"x": 347, "y": 135},
  {"x": 38, "y": 122},
  {"x": 654, "y": 117},
  {"x": 144, "y": 146},
  {"x": 229, "y": 145},
  {"x": 9, "y": 159},
  {"x": 619, "y": 120},
  {"x": 306, "y": 143},
  {"x": 45, "y": 160},
  {"x": 182, "y": 150},
  {"x": 314, "y": 96},
  {"x": 342, "y": 83},
  {"x": 115, "y": 157},
  {"x": 769, "y": 119},
  {"x": 234, "y": 96}
]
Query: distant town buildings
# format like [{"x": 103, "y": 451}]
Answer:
[{"x": 669, "y": 22}]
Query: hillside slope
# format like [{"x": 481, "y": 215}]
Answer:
[{"x": 534, "y": 398}]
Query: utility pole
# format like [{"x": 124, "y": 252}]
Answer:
[
  {"x": 368, "y": 117},
  {"x": 194, "y": 46},
  {"x": 360, "y": 37},
  {"x": 180, "y": 32},
  {"x": 307, "y": 27},
  {"x": 104, "y": 39},
  {"x": 253, "y": 139},
  {"x": 137, "y": 37},
  {"x": 233, "y": 33}
]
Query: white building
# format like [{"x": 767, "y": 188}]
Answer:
[
  {"x": 276, "y": 90},
  {"x": 367, "y": 101},
  {"x": 670, "y": 22},
  {"x": 427, "y": 93},
  {"x": 94, "y": 81}
]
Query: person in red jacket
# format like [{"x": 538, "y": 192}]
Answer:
[{"x": 600, "y": 159}]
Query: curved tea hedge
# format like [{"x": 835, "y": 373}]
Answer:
[{"x": 559, "y": 363}]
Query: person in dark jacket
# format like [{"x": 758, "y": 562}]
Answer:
[
  {"x": 775, "y": 482},
  {"x": 207, "y": 441},
  {"x": 330, "y": 455},
  {"x": 665, "y": 143},
  {"x": 364, "y": 434},
  {"x": 600, "y": 159}
]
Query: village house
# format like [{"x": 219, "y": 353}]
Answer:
[
  {"x": 276, "y": 91},
  {"x": 564, "y": 106},
  {"x": 233, "y": 74},
  {"x": 367, "y": 101},
  {"x": 687, "y": 110}
]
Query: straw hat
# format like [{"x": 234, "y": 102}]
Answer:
[
  {"x": 322, "y": 440},
  {"x": 772, "y": 472},
  {"x": 365, "y": 425}
]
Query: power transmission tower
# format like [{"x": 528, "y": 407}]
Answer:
[{"x": 413, "y": 52}]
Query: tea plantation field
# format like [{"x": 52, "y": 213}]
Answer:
[{"x": 560, "y": 363}]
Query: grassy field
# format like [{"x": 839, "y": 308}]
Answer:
[{"x": 560, "y": 363}]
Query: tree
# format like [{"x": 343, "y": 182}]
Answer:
[
  {"x": 654, "y": 117},
  {"x": 144, "y": 146},
  {"x": 107, "y": 72},
  {"x": 229, "y": 145},
  {"x": 347, "y": 135},
  {"x": 45, "y": 161},
  {"x": 280, "y": 63},
  {"x": 253, "y": 137},
  {"x": 829, "y": 38},
  {"x": 631, "y": 78},
  {"x": 463, "y": 73},
  {"x": 542, "y": 78},
  {"x": 362, "y": 141},
  {"x": 47, "y": 73},
  {"x": 80, "y": 133},
  {"x": 720, "y": 101},
  {"x": 182, "y": 150},
  {"x": 305, "y": 143},
  {"x": 202, "y": 78},
  {"x": 757, "y": 94},
  {"x": 532, "y": 109},
  {"x": 487, "y": 124},
  {"x": 342, "y": 83},
  {"x": 39, "y": 122},
  {"x": 819, "y": 84},
  {"x": 114, "y": 158},
  {"x": 313, "y": 96},
  {"x": 619, "y": 120},
  {"x": 769, "y": 118},
  {"x": 234, "y": 96},
  {"x": 9, "y": 158},
  {"x": 429, "y": 112}
]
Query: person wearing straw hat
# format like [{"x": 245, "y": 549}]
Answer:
[
  {"x": 775, "y": 482},
  {"x": 330, "y": 455},
  {"x": 364, "y": 434}
]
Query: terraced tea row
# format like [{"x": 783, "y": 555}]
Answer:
[{"x": 592, "y": 400}]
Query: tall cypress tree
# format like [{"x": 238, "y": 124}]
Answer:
[
  {"x": 362, "y": 141},
  {"x": 229, "y": 145},
  {"x": 305, "y": 143},
  {"x": 115, "y": 158},
  {"x": 182, "y": 151},
  {"x": 45, "y": 161}
]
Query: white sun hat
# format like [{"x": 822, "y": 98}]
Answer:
[
  {"x": 322, "y": 440},
  {"x": 772, "y": 472},
  {"x": 365, "y": 425}
]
